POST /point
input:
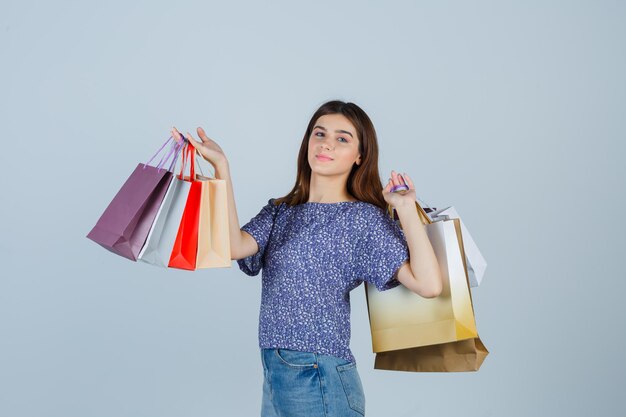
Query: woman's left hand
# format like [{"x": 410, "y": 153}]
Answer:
[{"x": 399, "y": 198}]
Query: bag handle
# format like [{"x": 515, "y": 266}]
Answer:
[
  {"x": 174, "y": 150},
  {"x": 420, "y": 212},
  {"x": 189, "y": 152},
  {"x": 164, "y": 158},
  {"x": 199, "y": 165},
  {"x": 178, "y": 147},
  {"x": 188, "y": 158}
]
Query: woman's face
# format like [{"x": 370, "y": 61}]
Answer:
[{"x": 334, "y": 136}]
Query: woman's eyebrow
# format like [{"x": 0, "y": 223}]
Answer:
[{"x": 336, "y": 131}]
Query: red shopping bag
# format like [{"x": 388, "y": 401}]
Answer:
[{"x": 185, "y": 248}]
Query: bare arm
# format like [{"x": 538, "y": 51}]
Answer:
[
  {"x": 242, "y": 244},
  {"x": 421, "y": 274}
]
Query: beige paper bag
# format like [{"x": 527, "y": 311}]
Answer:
[{"x": 213, "y": 225}]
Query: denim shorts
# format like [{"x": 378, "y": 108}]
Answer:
[{"x": 310, "y": 384}]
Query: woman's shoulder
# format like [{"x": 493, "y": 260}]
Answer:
[
  {"x": 374, "y": 220},
  {"x": 273, "y": 203},
  {"x": 372, "y": 212}
]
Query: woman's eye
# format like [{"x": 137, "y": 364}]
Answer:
[{"x": 344, "y": 139}]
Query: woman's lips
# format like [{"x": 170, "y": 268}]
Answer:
[{"x": 323, "y": 158}]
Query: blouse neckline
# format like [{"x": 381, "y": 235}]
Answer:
[{"x": 315, "y": 203}]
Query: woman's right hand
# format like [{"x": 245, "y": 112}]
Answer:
[{"x": 208, "y": 148}]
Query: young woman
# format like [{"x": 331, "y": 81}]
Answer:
[{"x": 324, "y": 238}]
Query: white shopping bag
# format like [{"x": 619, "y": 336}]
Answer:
[
  {"x": 476, "y": 263},
  {"x": 158, "y": 247}
]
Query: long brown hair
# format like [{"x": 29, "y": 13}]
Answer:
[{"x": 363, "y": 181}]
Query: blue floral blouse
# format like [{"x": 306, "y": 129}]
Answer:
[{"x": 312, "y": 256}]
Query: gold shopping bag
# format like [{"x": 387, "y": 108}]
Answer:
[
  {"x": 460, "y": 356},
  {"x": 213, "y": 232},
  {"x": 412, "y": 333}
]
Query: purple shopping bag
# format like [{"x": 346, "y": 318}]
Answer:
[{"x": 125, "y": 223}]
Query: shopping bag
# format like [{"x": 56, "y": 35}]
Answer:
[
  {"x": 460, "y": 356},
  {"x": 476, "y": 263},
  {"x": 185, "y": 249},
  {"x": 401, "y": 320},
  {"x": 160, "y": 241},
  {"x": 124, "y": 225},
  {"x": 213, "y": 225}
]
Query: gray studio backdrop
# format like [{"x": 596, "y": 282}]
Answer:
[{"x": 510, "y": 111}]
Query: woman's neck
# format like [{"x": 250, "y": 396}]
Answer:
[{"x": 329, "y": 189}]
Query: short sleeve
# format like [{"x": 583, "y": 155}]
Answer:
[
  {"x": 259, "y": 227},
  {"x": 382, "y": 251}
]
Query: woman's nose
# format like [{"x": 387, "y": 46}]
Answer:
[{"x": 325, "y": 144}]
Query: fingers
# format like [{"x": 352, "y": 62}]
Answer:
[
  {"x": 396, "y": 178},
  {"x": 399, "y": 179},
  {"x": 176, "y": 134},
  {"x": 202, "y": 135},
  {"x": 191, "y": 140},
  {"x": 179, "y": 136},
  {"x": 409, "y": 181}
]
